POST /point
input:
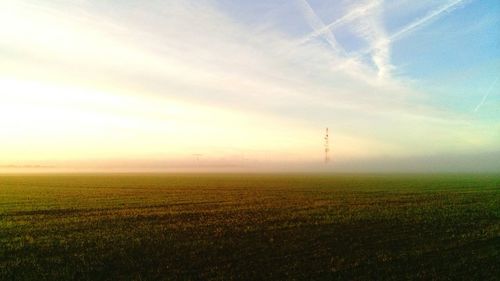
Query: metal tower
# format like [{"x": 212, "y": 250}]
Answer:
[
  {"x": 327, "y": 147},
  {"x": 197, "y": 156}
]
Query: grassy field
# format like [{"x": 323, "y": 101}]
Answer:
[{"x": 257, "y": 227}]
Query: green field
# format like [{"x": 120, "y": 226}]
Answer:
[{"x": 257, "y": 227}]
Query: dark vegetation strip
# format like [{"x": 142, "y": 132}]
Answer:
[{"x": 257, "y": 227}]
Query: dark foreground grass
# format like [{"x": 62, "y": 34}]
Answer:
[{"x": 257, "y": 227}]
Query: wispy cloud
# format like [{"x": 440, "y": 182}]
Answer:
[
  {"x": 371, "y": 28},
  {"x": 380, "y": 42}
]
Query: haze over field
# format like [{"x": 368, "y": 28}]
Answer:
[{"x": 146, "y": 85}]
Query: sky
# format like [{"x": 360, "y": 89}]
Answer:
[{"x": 236, "y": 84}]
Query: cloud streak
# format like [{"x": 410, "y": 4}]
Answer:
[
  {"x": 371, "y": 28},
  {"x": 380, "y": 48}
]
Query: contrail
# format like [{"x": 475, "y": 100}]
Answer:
[
  {"x": 353, "y": 14},
  {"x": 317, "y": 25},
  {"x": 321, "y": 29},
  {"x": 416, "y": 24},
  {"x": 435, "y": 13},
  {"x": 486, "y": 95}
]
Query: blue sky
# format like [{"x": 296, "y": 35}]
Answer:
[{"x": 248, "y": 82}]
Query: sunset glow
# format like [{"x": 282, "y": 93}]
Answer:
[{"x": 139, "y": 84}]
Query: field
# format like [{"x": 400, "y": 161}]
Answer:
[{"x": 257, "y": 227}]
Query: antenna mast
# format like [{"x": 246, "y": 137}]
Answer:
[
  {"x": 197, "y": 155},
  {"x": 327, "y": 147}
]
